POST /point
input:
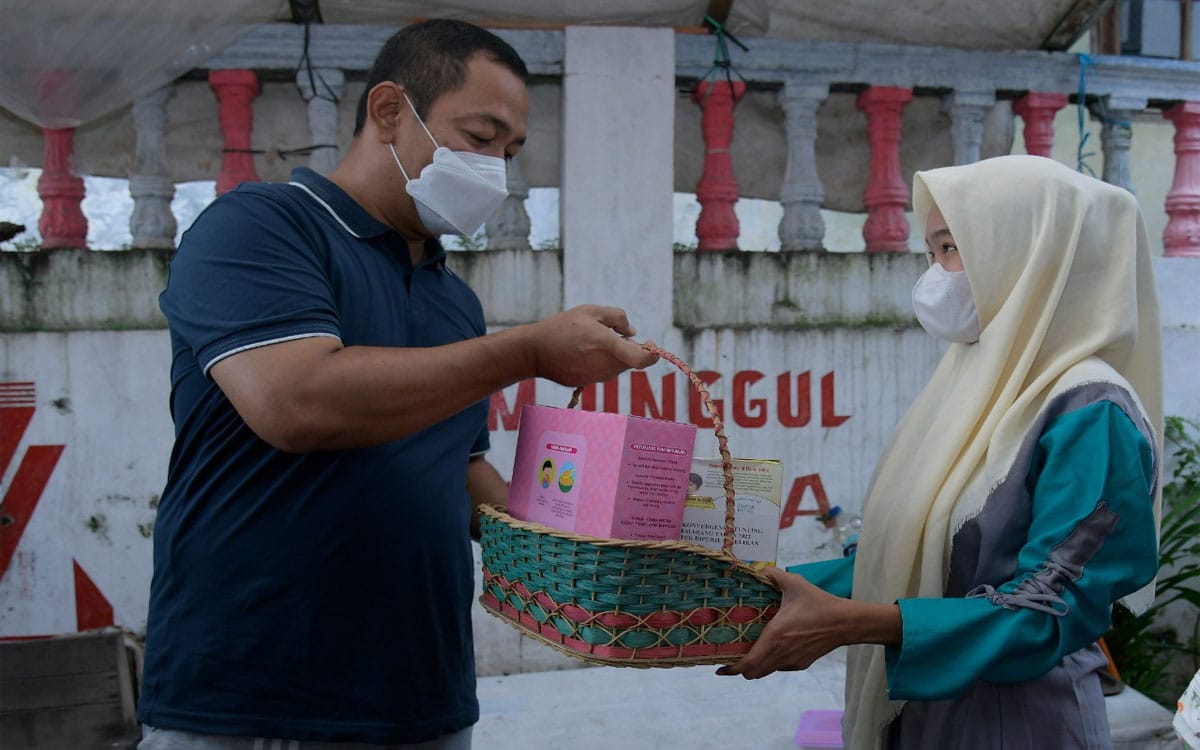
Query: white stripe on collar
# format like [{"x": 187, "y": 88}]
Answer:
[{"x": 328, "y": 208}]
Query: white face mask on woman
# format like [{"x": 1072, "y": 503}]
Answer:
[
  {"x": 944, "y": 305},
  {"x": 458, "y": 190}
]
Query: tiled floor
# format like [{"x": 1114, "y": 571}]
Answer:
[{"x": 692, "y": 709}]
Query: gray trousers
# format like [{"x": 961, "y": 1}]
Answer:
[
  {"x": 1061, "y": 710},
  {"x": 171, "y": 739}
]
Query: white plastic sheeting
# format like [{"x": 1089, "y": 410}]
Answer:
[
  {"x": 65, "y": 62},
  {"x": 975, "y": 24}
]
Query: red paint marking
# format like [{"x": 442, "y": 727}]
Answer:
[
  {"x": 498, "y": 411},
  {"x": 17, "y": 394},
  {"x": 829, "y": 415},
  {"x": 756, "y": 414},
  {"x": 23, "y": 495},
  {"x": 17, "y": 405},
  {"x": 802, "y": 414},
  {"x": 795, "y": 400},
  {"x": 13, "y": 422},
  {"x": 642, "y": 401},
  {"x": 611, "y": 397},
  {"x": 791, "y": 508},
  {"x": 92, "y": 608}
]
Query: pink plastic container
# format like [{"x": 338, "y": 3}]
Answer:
[{"x": 819, "y": 728}]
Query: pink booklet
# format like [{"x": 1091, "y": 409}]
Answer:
[{"x": 600, "y": 474}]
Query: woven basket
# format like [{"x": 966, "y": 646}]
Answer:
[{"x": 627, "y": 603}]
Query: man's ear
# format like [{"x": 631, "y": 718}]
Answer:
[{"x": 386, "y": 109}]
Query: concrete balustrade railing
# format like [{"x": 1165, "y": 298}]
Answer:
[{"x": 968, "y": 83}]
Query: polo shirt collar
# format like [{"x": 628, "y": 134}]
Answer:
[{"x": 353, "y": 217}]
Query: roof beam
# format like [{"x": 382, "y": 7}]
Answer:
[{"x": 1080, "y": 17}]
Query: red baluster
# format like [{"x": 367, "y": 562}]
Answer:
[
  {"x": 886, "y": 229},
  {"x": 62, "y": 223},
  {"x": 1182, "y": 236},
  {"x": 1037, "y": 109},
  {"x": 717, "y": 228},
  {"x": 235, "y": 90}
]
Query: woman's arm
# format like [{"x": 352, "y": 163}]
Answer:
[
  {"x": 834, "y": 576},
  {"x": 1091, "y": 541}
]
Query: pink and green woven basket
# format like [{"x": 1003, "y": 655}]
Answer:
[{"x": 626, "y": 603}]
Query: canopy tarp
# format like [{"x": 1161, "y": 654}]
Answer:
[{"x": 64, "y": 63}]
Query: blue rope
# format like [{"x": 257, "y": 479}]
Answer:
[
  {"x": 722, "y": 62},
  {"x": 1086, "y": 61}
]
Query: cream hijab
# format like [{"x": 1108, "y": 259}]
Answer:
[{"x": 1059, "y": 265}]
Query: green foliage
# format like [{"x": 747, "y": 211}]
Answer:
[
  {"x": 1147, "y": 651},
  {"x": 477, "y": 241},
  {"x": 682, "y": 247},
  {"x": 28, "y": 244},
  {"x": 553, "y": 243}
]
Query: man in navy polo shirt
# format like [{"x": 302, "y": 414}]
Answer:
[{"x": 330, "y": 376}]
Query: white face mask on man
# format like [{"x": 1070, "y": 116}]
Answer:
[
  {"x": 945, "y": 306},
  {"x": 458, "y": 190}
]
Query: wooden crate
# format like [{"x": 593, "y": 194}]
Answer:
[{"x": 74, "y": 691}]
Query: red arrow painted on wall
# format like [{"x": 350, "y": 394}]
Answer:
[
  {"x": 17, "y": 405},
  {"x": 16, "y": 411}
]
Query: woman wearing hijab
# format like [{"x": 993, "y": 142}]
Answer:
[{"x": 1018, "y": 498}]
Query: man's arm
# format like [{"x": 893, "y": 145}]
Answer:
[
  {"x": 314, "y": 394},
  {"x": 484, "y": 485}
]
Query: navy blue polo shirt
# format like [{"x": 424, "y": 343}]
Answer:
[{"x": 320, "y": 596}]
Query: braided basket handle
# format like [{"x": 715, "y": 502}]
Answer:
[{"x": 718, "y": 428}]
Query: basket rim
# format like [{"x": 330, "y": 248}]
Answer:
[{"x": 674, "y": 545}]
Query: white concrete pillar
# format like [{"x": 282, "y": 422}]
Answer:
[
  {"x": 508, "y": 227},
  {"x": 151, "y": 224},
  {"x": 618, "y": 171},
  {"x": 321, "y": 88},
  {"x": 802, "y": 194},
  {"x": 967, "y": 110},
  {"x": 1116, "y": 139}
]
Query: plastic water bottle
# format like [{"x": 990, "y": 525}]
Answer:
[{"x": 845, "y": 529}]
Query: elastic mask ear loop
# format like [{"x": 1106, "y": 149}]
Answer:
[
  {"x": 414, "y": 111},
  {"x": 398, "y": 164},
  {"x": 403, "y": 171}
]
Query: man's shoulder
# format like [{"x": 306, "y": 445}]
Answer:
[
  {"x": 256, "y": 198},
  {"x": 252, "y": 214}
]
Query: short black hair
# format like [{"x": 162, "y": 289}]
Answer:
[{"x": 430, "y": 59}]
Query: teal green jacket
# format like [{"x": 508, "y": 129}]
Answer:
[{"x": 1087, "y": 538}]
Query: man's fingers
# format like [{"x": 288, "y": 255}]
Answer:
[
  {"x": 632, "y": 354},
  {"x": 613, "y": 317}
]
